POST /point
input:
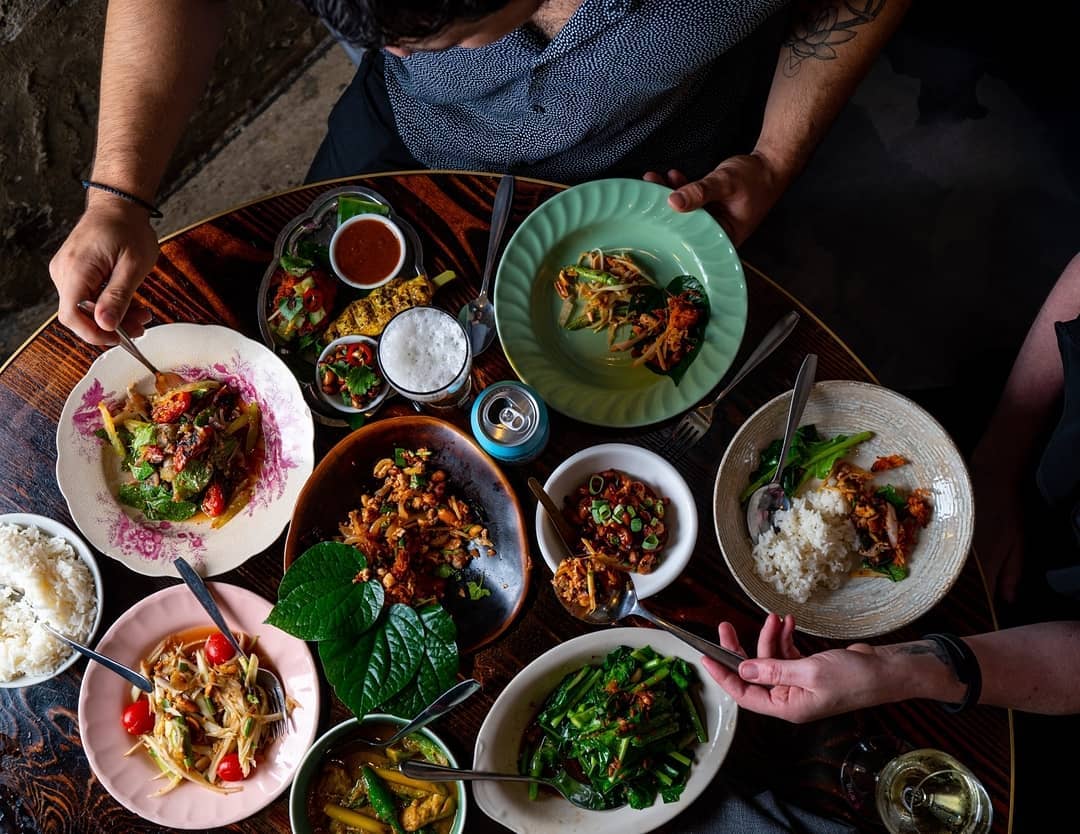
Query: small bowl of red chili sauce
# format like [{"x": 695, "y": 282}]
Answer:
[
  {"x": 368, "y": 250},
  {"x": 348, "y": 377}
]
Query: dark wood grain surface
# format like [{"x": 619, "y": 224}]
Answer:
[{"x": 209, "y": 273}]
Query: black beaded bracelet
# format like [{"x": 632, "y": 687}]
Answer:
[
  {"x": 155, "y": 212},
  {"x": 965, "y": 666}
]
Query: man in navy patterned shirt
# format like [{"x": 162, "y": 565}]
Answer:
[{"x": 723, "y": 100}]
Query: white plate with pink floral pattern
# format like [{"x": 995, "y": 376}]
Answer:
[{"x": 86, "y": 472}]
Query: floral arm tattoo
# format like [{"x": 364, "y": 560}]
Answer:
[{"x": 817, "y": 28}]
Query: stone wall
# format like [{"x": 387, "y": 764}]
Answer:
[{"x": 50, "y": 53}]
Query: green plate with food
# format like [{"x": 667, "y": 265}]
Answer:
[{"x": 617, "y": 309}]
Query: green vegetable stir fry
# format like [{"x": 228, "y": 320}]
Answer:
[
  {"x": 810, "y": 456},
  {"x": 626, "y": 727}
]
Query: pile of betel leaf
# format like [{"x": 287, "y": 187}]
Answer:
[
  {"x": 628, "y": 727},
  {"x": 394, "y": 659}
]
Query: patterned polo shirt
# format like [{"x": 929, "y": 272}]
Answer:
[{"x": 625, "y": 86}]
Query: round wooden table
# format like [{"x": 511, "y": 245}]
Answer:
[{"x": 209, "y": 272}]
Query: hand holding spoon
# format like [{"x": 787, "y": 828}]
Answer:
[
  {"x": 768, "y": 499},
  {"x": 163, "y": 381}
]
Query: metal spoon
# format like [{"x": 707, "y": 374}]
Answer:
[
  {"x": 768, "y": 499},
  {"x": 444, "y": 703},
  {"x": 478, "y": 316},
  {"x": 130, "y": 675},
  {"x": 263, "y": 676},
  {"x": 563, "y": 528},
  {"x": 163, "y": 380},
  {"x": 623, "y": 602},
  {"x": 574, "y": 791}
]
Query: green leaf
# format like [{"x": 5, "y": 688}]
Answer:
[
  {"x": 438, "y": 667},
  {"x": 155, "y": 502},
  {"x": 356, "y": 421},
  {"x": 320, "y": 599},
  {"x": 349, "y": 207},
  {"x": 889, "y": 493},
  {"x": 476, "y": 590},
  {"x": 360, "y": 379},
  {"x": 142, "y": 471},
  {"x": 315, "y": 253},
  {"x": 296, "y": 265},
  {"x": 367, "y": 671},
  {"x": 142, "y": 434},
  {"x": 192, "y": 480},
  {"x": 696, "y": 335}
]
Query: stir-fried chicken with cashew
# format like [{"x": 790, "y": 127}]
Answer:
[
  {"x": 413, "y": 529},
  {"x": 886, "y": 521}
]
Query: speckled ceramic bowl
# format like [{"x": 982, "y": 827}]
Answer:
[{"x": 862, "y": 606}]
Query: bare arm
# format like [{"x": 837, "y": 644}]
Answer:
[
  {"x": 1032, "y": 668},
  {"x": 156, "y": 61},
  {"x": 829, "y": 49},
  {"x": 1026, "y": 408}
]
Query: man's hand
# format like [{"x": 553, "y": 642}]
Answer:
[
  {"x": 104, "y": 259},
  {"x": 784, "y": 684},
  {"x": 739, "y": 191}
]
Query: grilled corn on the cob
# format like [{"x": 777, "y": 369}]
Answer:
[{"x": 369, "y": 315}]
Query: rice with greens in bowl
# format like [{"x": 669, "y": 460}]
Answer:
[
  {"x": 57, "y": 584},
  {"x": 811, "y": 545}
]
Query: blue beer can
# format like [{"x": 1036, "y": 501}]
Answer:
[{"x": 510, "y": 422}]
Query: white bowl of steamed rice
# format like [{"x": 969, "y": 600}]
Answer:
[
  {"x": 61, "y": 581},
  {"x": 811, "y": 566}
]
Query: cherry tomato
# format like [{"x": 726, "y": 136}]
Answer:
[
  {"x": 213, "y": 503},
  {"x": 313, "y": 299},
  {"x": 168, "y": 409},
  {"x": 366, "y": 356},
  {"x": 137, "y": 718},
  {"x": 218, "y": 648},
  {"x": 228, "y": 769}
]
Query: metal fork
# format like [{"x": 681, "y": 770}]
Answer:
[
  {"x": 263, "y": 677},
  {"x": 692, "y": 427}
]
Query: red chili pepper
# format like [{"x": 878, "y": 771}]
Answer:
[
  {"x": 213, "y": 503},
  {"x": 363, "y": 348},
  {"x": 170, "y": 408},
  {"x": 313, "y": 299}
]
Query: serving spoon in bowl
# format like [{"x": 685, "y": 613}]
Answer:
[
  {"x": 127, "y": 673},
  {"x": 770, "y": 498},
  {"x": 623, "y": 602},
  {"x": 573, "y": 791},
  {"x": 163, "y": 380},
  {"x": 453, "y": 696}
]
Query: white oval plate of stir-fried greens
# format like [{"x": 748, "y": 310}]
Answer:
[
  {"x": 121, "y": 761},
  {"x": 205, "y": 465},
  {"x": 502, "y": 743}
]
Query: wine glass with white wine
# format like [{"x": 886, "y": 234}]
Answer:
[{"x": 916, "y": 791}]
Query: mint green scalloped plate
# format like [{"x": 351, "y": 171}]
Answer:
[{"x": 574, "y": 372}]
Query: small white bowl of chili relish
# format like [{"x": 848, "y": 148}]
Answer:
[
  {"x": 348, "y": 377},
  {"x": 367, "y": 251}
]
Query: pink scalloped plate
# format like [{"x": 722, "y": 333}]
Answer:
[{"x": 104, "y": 695}]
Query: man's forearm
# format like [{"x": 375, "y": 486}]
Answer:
[
  {"x": 155, "y": 65},
  {"x": 829, "y": 48}
]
